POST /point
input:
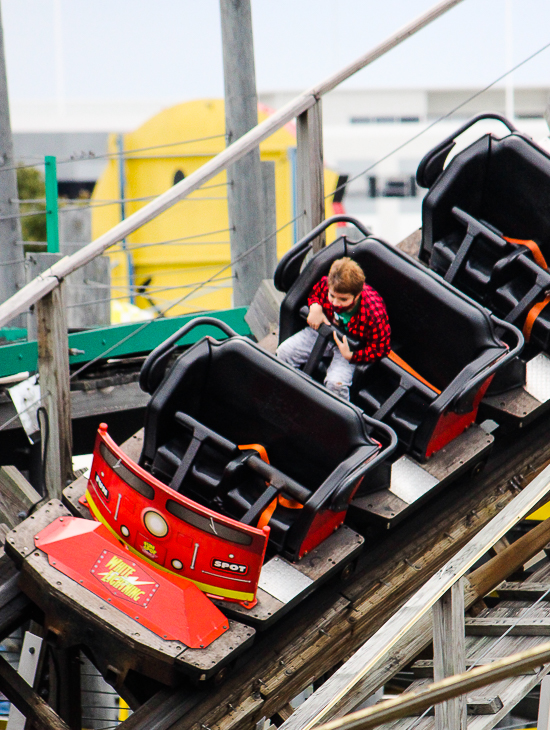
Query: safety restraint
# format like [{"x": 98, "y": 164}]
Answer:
[
  {"x": 279, "y": 499},
  {"x": 537, "y": 308}
]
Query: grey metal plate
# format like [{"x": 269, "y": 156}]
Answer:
[
  {"x": 538, "y": 377},
  {"x": 282, "y": 580},
  {"x": 409, "y": 480}
]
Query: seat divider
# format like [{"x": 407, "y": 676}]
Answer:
[
  {"x": 390, "y": 403},
  {"x": 186, "y": 462},
  {"x": 460, "y": 257},
  {"x": 525, "y": 303}
]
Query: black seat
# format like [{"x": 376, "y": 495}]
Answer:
[
  {"x": 217, "y": 401},
  {"x": 505, "y": 182},
  {"x": 486, "y": 225},
  {"x": 446, "y": 346}
]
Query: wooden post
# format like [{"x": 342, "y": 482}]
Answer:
[
  {"x": 310, "y": 173},
  {"x": 450, "y": 654},
  {"x": 244, "y": 191},
  {"x": 543, "y": 719},
  {"x": 53, "y": 368}
]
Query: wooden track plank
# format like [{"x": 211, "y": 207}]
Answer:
[{"x": 17, "y": 496}]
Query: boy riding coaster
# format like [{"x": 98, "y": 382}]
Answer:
[{"x": 344, "y": 299}]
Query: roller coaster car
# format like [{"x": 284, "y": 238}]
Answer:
[
  {"x": 241, "y": 455},
  {"x": 486, "y": 230},
  {"x": 445, "y": 351}
]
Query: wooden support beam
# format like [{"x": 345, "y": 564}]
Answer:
[
  {"x": 411, "y": 703},
  {"x": 53, "y": 368},
  {"x": 310, "y": 173},
  {"x": 27, "y": 701},
  {"x": 15, "y": 607},
  {"x": 28, "y": 664},
  {"x": 450, "y": 654},
  {"x": 486, "y": 578},
  {"x": 244, "y": 177},
  {"x": 345, "y": 682},
  {"x": 543, "y": 719},
  {"x": 512, "y": 626},
  {"x": 17, "y": 496}
]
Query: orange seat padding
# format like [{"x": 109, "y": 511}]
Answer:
[{"x": 399, "y": 361}]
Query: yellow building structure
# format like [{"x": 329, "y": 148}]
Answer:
[{"x": 170, "y": 258}]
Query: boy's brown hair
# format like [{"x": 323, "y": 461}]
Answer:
[{"x": 346, "y": 277}]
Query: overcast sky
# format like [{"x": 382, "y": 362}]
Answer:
[{"x": 170, "y": 50}]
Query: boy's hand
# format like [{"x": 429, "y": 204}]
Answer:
[
  {"x": 316, "y": 316},
  {"x": 343, "y": 347}
]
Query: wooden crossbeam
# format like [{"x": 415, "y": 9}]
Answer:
[
  {"x": 511, "y": 626},
  {"x": 411, "y": 703},
  {"x": 348, "y": 678},
  {"x": 27, "y": 701},
  {"x": 516, "y": 591}
]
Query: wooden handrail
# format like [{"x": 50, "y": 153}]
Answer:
[{"x": 45, "y": 283}]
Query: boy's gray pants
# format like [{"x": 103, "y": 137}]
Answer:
[{"x": 296, "y": 350}]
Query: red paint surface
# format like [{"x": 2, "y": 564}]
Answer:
[
  {"x": 170, "y": 606},
  {"x": 451, "y": 425},
  {"x": 124, "y": 510}
]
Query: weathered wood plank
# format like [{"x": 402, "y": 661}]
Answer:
[
  {"x": 322, "y": 702},
  {"x": 27, "y": 701},
  {"x": 53, "y": 367},
  {"x": 480, "y": 702},
  {"x": 17, "y": 496},
  {"x": 514, "y": 626},
  {"x": 310, "y": 173},
  {"x": 514, "y": 590}
]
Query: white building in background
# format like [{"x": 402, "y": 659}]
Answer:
[
  {"x": 377, "y": 135},
  {"x": 381, "y": 136}
]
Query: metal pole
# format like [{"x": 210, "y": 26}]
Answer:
[
  {"x": 192, "y": 182},
  {"x": 52, "y": 218},
  {"x": 12, "y": 274},
  {"x": 244, "y": 192},
  {"x": 122, "y": 191}
]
